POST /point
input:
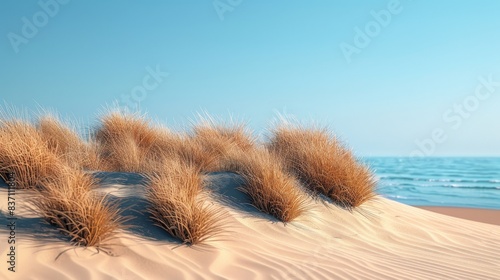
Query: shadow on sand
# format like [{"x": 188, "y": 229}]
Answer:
[
  {"x": 127, "y": 190},
  {"x": 225, "y": 185}
]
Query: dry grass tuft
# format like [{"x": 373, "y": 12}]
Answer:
[
  {"x": 94, "y": 159},
  {"x": 23, "y": 151},
  {"x": 60, "y": 138},
  {"x": 70, "y": 204},
  {"x": 65, "y": 142},
  {"x": 180, "y": 206},
  {"x": 218, "y": 141},
  {"x": 270, "y": 188},
  {"x": 323, "y": 164},
  {"x": 131, "y": 144},
  {"x": 128, "y": 142},
  {"x": 192, "y": 151}
]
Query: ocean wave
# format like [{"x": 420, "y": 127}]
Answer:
[
  {"x": 473, "y": 182},
  {"x": 438, "y": 180},
  {"x": 472, "y": 187}
]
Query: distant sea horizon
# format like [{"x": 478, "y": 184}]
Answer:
[{"x": 472, "y": 182}]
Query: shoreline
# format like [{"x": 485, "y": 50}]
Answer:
[{"x": 488, "y": 216}]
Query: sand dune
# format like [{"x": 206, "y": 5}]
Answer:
[{"x": 383, "y": 239}]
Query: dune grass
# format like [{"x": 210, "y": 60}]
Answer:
[
  {"x": 222, "y": 136},
  {"x": 51, "y": 158},
  {"x": 128, "y": 141},
  {"x": 60, "y": 138},
  {"x": 323, "y": 164},
  {"x": 179, "y": 204},
  {"x": 24, "y": 152},
  {"x": 131, "y": 144},
  {"x": 70, "y": 204},
  {"x": 40, "y": 157},
  {"x": 64, "y": 141},
  {"x": 219, "y": 140},
  {"x": 180, "y": 146},
  {"x": 271, "y": 189}
]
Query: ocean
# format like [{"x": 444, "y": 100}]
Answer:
[{"x": 439, "y": 181}]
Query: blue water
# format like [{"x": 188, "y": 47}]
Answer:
[{"x": 460, "y": 182}]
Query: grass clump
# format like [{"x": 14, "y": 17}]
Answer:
[
  {"x": 24, "y": 152},
  {"x": 128, "y": 142},
  {"x": 70, "y": 204},
  {"x": 179, "y": 204},
  {"x": 60, "y": 138},
  {"x": 218, "y": 141},
  {"x": 271, "y": 189},
  {"x": 323, "y": 164},
  {"x": 64, "y": 141},
  {"x": 190, "y": 151}
]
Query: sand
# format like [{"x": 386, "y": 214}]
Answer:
[
  {"x": 488, "y": 216},
  {"x": 383, "y": 239}
]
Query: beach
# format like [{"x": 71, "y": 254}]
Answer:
[
  {"x": 466, "y": 182},
  {"x": 250, "y": 140},
  {"x": 488, "y": 216},
  {"x": 382, "y": 239}
]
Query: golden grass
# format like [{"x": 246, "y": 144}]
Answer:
[
  {"x": 39, "y": 156},
  {"x": 65, "y": 142},
  {"x": 24, "y": 152},
  {"x": 51, "y": 158},
  {"x": 70, "y": 204},
  {"x": 324, "y": 164},
  {"x": 271, "y": 189},
  {"x": 60, "y": 138},
  {"x": 180, "y": 146},
  {"x": 131, "y": 144},
  {"x": 179, "y": 204},
  {"x": 128, "y": 141},
  {"x": 93, "y": 157},
  {"x": 218, "y": 141}
]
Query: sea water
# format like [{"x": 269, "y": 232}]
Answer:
[{"x": 433, "y": 181}]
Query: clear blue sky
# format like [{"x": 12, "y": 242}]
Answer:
[{"x": 252, "y": 59}]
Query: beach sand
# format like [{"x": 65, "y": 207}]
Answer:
[
  {"x": 488, "y": 216},
  {"x": 382, "y": 239}
]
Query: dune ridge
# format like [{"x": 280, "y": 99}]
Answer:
[{"x": 297, "y": 207}]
